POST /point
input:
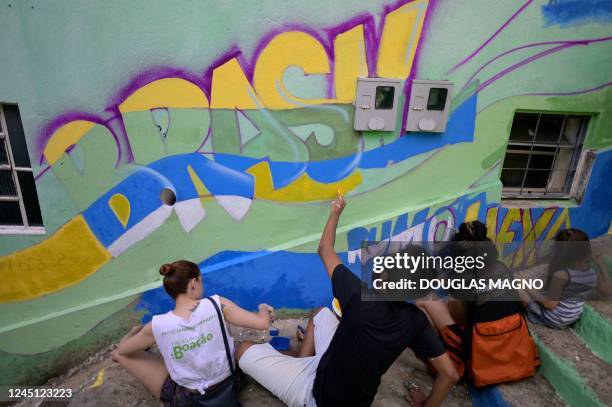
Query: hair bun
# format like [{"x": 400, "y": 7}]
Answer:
[{"x": 166, "y": 269}]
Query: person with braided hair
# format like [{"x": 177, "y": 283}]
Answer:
[{"x": 500, "y": 355}]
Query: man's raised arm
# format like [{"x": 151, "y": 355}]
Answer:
[{"x": 328, "y": 238}]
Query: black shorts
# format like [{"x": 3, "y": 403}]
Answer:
[{"x": 175, "y": 395}]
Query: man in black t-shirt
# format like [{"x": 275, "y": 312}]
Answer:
[
  {"x": 370, "y": 337},
  {"x": 341, "y": 362}
]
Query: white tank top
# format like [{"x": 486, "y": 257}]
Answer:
[{"x": 193, "y": 348}]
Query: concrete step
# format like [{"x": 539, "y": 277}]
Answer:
[
  {"x": 595, "y": 328},
  {"x": 531, "y": 392},
  {"x": 579, "y": 376}
]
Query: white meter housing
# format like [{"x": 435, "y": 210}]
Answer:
[
  {"x": 377, "y": 103},
  {"x": 429, "y": 106}
]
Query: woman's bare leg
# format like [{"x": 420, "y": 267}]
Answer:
[{"x": 148, "y": 368}]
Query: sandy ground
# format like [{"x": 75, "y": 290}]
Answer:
[{"x": 101, "y": 382}]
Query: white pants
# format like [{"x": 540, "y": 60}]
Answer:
[{"x": 287, "y": 377}]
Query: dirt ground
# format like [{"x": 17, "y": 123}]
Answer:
[{"x": 101, "y": 382}]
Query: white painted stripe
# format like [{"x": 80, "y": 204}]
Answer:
[
  {"x": 190, "y": 213},
  {"x": 140, "y": 230},
  {"x": 236, "y": 206}
]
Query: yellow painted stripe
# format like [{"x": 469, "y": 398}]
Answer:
[
  {"x": 64, "y": 137},
  {"x": 303, "y": 189},
  {"x": 400, "y": 39},
  {"x": 67, "y": 257},
  {"x": 165, "y": 93}
]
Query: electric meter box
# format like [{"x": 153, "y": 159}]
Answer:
[
  {"x": 429, "y": 106},
  {"x": 376, "y": 103}
]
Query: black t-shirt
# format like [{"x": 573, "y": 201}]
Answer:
[{"x": 371, "y": 335}]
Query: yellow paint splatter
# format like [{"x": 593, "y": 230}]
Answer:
[
  {"x": 99, "y": 379},
  {"x": 67, "y": 257},
  {"x": 301, "y": 190},
  {"x": 336, "y": 306},
  {"x": 120, "y": 206}
]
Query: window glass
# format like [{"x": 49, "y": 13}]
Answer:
[
  {"x": 19, "y": 204},
  {"x": 30, "y": 199},
  {"x": 536, "y": 179},
  {"x": 384, "y": 97},
  {"x": 512, "y": 178},
  {"x": 523, "y": 127},
  {"x": 7, "y": 185},
  {"x": 437, "y": 98},
  {"x": 16, "y": 136},
  {"x": 541, "y": 161},
  {"x": 10, "y": 213},
  {"x": 549, "y": 129},
  {"x": 3, "y": 153},
  {"x": 542, "y": 155},
  {"x": 516, "y": 160}
]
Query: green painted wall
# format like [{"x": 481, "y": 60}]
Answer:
[{"x": 104, "y": 68}]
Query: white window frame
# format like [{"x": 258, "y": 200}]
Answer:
[
  {"x": 25, "y": 229},
  {"x": 578, "y": 162}
]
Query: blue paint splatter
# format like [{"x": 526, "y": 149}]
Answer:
[
  {"x": 595, "y": 212},
  {"x": 568, "y": 13},
  {"x": 489, "y": 396}
]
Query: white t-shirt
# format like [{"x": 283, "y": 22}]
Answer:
[{"x": 193, "y": 348}]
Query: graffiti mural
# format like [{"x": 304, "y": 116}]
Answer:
[{"x": 231, "y": 163}]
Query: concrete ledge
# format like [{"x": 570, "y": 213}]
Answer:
[
  {"x": 580, "y": 378},
  {"x": 596, "y": 331}
]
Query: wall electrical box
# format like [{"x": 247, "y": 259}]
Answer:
[
  {"x": 377, "y": 103},
  {"x": 429, "y": 106}
]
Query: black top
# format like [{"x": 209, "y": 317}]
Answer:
[{"x": 371, "y": 335}]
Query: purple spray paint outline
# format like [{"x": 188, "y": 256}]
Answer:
[
  {"x": 63, "y": 119},
  {"x": 491, "y": 38},
  {"x": 572, "y": 93},
  {"x": 535, "y": 44},
  {"x": 531, "y": 59},
  {"x": 414, "y": 71},
  {"x": 370, "y": 44},
  {"x": 139, "y": 81},
  {"x": 152, "y": 74}
]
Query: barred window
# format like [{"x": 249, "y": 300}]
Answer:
[
  {"x": 19, "y": 208},
  {"x": 543, "y": 155}
]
